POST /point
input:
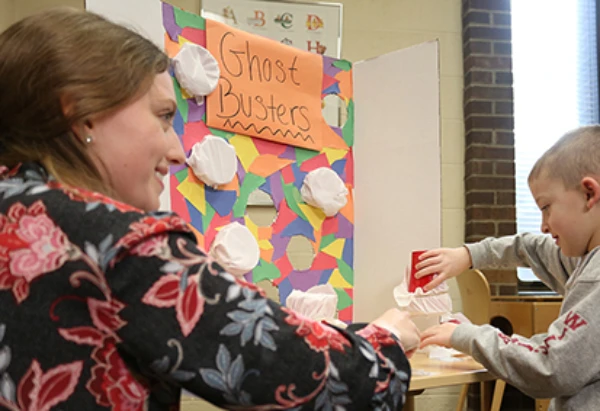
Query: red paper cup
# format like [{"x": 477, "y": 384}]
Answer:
[{"x": 413, "y": 282}]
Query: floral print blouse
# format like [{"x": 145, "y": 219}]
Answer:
[{"x": 104, "y": 307}]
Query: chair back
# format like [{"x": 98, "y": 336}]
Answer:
[{"x": 475, "y": 294}]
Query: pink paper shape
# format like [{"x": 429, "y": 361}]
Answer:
[
  {"x": 324, "y": 262},
  {"x": 330, "y": 225},
  {"x": 269, "y": 147},
  {"x": 288, "y": 174},
  {"x": 194, "y": 35},
  {"x": 314, "y": 163},
  {"x": 285, "y": 216},
  {"x": 194, "y": 133}
]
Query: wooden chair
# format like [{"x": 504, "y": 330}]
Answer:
[{"x": 475, "y": 294}]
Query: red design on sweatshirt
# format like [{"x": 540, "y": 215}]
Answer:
[{"x": 572, "y": 322}]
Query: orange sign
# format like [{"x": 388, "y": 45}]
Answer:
[{"x": 266, "y": 90}]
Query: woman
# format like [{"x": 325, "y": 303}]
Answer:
[{"x": 106, "y": 303}]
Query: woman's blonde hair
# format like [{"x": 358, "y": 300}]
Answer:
[{"x": 59, "y": 69}]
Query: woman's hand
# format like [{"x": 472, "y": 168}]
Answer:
[
  {"x": 445, "y": 262},
  {"x": 399, "y": 323},
  {"x": 438, "y": 335}
]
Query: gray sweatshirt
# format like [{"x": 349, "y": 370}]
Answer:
[{"x": 564, "y": 362}]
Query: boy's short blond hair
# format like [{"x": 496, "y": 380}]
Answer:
[{"x": 574, "y": 156}]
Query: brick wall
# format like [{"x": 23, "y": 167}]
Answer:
[{"x": 489, "y": 144}]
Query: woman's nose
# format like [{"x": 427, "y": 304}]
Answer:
[{"x": 175, "y": 153}]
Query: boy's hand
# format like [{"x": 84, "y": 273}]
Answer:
[
  {"x": 438, "y": 335},
  {"x": 445, "y": 262}
]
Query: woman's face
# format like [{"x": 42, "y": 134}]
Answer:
[{"x": 134, "y": 146}]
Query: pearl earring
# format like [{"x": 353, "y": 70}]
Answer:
[{"x": 88, "y": 139}]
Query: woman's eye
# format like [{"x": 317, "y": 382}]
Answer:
[{"x": 168, "y": 117}]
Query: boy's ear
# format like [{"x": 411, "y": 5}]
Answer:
[{"x": 591, "y": 188}]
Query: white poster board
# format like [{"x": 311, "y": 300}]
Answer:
[
  {"x": 315, "y": 27},
  {"x": 397, "y": 170},
  {"x": 143, "y": 16}
]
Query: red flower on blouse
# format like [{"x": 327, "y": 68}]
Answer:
[
  {"x": 377, "y": 336},
  {"x": 189, "y": 302},
  {"x": 319, "y": 336},
  {"x": 40, "y": 391},
  {"x": 111, "y": 382},
  {"x": 30, "y": 245},
  {"x": 149, "y": 226}
]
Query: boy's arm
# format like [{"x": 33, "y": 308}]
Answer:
[
  {"x": 536, "y": 251},
  {"x": 546, "y": 365}
]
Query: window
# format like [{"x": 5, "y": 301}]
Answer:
[{"x": 555, "y": 80}]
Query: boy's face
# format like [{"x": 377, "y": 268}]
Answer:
[{"x": 566, "y": 215}]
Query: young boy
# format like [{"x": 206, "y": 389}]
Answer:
[{"x": 564, "y": 362}]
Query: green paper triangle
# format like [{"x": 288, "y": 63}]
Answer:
[
  {"x": 182, "y": 104},
  {"x": 207, "y": 218},
  {"x": 251, "y": 182},
  {"x": 344, "y": 65},
  {"x": 221, "y": 133},
  {"x": 344, "y": 300},
  {"x": 326, "y": 240},
  {"x": 348, "y": 129},
  {"x": 303, "y": 154},
  {"x": 186, "y": 19},
  {"x": 293, "y": 198},
  {"x": 265, "y": 271},
  {"x": 181, "y": 175},
  {"x": 346, "y": 271}
]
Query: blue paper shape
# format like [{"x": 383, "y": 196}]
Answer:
[
  {"x": 266, "y": 187},
  {"x": 299, "y": 227},
  {"x": 285, "y": 289},
  {"x": 195, "y": 216},
  {"x": 348, "y": 253},
  {"x": 178, "y": 123},
  {"x": 298, "y": 175},
  {"x": 221, "y": 201},
  {"x": 338, "y": 167},
  {"x": 333, "y": 89},
  {"x": 325, "y": 276}
]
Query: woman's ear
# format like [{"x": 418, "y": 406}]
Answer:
[
  {"x": 591, "y": 188},
  {"x": 81, "y": 129}
]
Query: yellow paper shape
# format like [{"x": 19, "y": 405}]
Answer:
[
  {"x": 245, "y": 150},
  {"x": 268, "y": 164},
  {"x": 336, "y": 280},
  {"x": 194, "y": 193},
  {"x": 336, "y": 248},
  {"x": 185, "y": 94},
  {"x": 265, "y": 245},
  {"x": 334, "y": 154},
  {"x": 315, "y": 215},
  {"x": 251, "y": 226}
]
